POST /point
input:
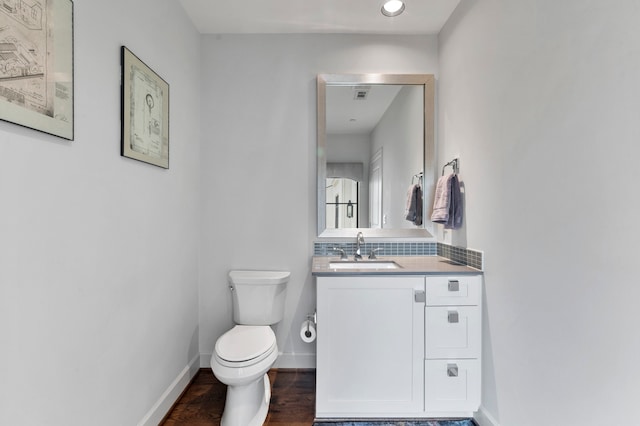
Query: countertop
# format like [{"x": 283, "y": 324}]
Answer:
[{"x": 409, "y": 265}]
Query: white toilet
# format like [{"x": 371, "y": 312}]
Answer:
[{"x": 244, "y": 354}]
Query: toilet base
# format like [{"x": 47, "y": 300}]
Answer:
[{"x": 247, "y": 405}]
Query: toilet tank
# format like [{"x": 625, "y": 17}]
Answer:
[{"x": 258, "y": 296}]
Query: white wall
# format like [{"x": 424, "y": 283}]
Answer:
[
  {"x": 258, "y": 161},
  {"x": 541, "y": 101},
  {"x": 400, "y": 134},
  {"x": 98, "y": 253}
]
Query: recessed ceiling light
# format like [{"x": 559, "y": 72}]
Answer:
[{"x": 392, "y": 8}]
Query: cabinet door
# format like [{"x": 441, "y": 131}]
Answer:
[
  {"x": 452, "y": 385},
  {"x": 370, "y": 346},
  {"x": 453, "y": 331}
]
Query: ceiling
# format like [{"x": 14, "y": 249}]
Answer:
[
  {"x": 315, "y": 16},
  {"x": 348, "y": 114}
]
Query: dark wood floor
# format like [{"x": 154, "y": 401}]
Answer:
[{"x": 292, "y": 400}]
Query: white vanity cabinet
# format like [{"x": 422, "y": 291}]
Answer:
[
  {"x": 370, "y": 346},
  {"x": 453, "y": 343},
  {"x": 398, "y": 346}
]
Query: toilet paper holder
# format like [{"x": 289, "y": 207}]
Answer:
[
  {"x": 308, "y": 328},
  {"x": 311, "y": 319}
]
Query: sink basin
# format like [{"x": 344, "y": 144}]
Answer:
[{"x": 364, "y": 264}]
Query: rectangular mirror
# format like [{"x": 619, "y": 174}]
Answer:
[{"x": 375, "y": 140}]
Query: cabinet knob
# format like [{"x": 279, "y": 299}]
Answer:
[
  {"x": 453, "y": 317},
  {"x": 454, "y": 285},
  {"x": 452, "y": 370},
  {"x": 419, "y": 296}
]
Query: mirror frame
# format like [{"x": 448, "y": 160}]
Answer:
[{"x": 430, "y": 169}]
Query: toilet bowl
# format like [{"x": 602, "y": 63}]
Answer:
[{"x": 243, "y": 355}]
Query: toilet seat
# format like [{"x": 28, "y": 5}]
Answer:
[{"x": 245, "y": 345}]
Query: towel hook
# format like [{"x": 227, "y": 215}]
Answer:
[
  {"x": 454, "y": 164},
  {"x": 417, "y": 176}
]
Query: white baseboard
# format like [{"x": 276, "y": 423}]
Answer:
[
  {"x": 483, "y": 418},
  {"x": 171, "y": 395},
  {"x": 205, "y": 360},
  {"x": 285, "y": 360},
  {"x": 291, "y": 360}
]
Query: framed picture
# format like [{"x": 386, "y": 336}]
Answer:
[
  {"x": 145, "y": 112},
  {"x": 36, "y": 65}
]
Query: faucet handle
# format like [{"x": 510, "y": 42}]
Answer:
[
  {"x": 372, "y": 253},
  {"x": 343, "y": 253}
]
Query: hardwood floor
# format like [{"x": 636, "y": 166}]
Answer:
[{"x": 292, "y": 400}]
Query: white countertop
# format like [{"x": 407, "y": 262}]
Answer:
[{"x": 408, "y": 265}]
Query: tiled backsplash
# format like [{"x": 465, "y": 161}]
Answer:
[
  {"x": 388, "y": 249},
  {"x": 464, "y": 256}
]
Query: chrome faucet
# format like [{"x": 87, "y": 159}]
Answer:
[
  {"x": 372, "y": 253},
  {"x": 343, "y": 253},
  {"x": 359, "y": 243}
]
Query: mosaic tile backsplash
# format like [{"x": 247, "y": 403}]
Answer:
[
  {"x": 464, "y": 256},
  {"x": 387, "y": 249}
]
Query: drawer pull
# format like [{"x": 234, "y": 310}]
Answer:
[
  {"x": 452, "y": 370},
  {"x": 453, "y": 317},
  {"x": 454, "y": 285}
]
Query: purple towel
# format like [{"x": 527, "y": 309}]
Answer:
[
  {"x": 442, "y": 200},
  {"x": 447, "y": 206},
  {"x": 455, "y": 209}
]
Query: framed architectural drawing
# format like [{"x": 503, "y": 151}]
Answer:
[
  {"x": 36, "y": 65},
  {"x": 145, "y": 112}
]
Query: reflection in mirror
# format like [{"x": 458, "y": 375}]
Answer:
[
  {"x": 375, "y": 135},
  {"x": 342, "y": 203},
  {"x": 343, "y": 195}
]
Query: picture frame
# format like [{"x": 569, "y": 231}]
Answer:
[
  {"x": 36, "y": 65},
  {"x": 144, "y": 112}
]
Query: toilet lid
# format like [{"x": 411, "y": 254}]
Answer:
[{"x": 245, "y": 342}]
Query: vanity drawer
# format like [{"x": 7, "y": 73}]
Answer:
[
  {"x": 453, "y": 290},
  {"x": 453, "y": 332},
  {"x": 452, "y": 385}
]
